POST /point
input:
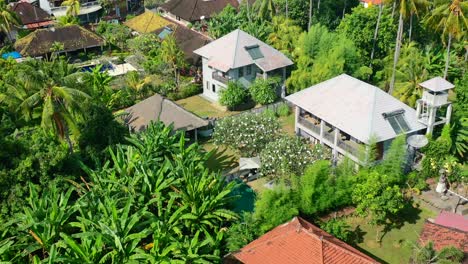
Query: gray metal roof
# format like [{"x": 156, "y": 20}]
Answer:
[
  {"x": 437, "y": 84},
  {"x": 157, "y": 108},
  {"x": 355, "y": 107},
  {"x": 229, "y": 52}
]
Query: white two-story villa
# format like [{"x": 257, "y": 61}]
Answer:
[{"x": 240, "y": 57}]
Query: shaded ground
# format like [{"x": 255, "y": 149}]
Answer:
[
  {"x": 394, "y": 248},
  {"x": 223, "y": 158}
]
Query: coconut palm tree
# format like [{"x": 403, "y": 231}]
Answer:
[
  {"x": 173, "y": 56},
  {"x": 449, "y": 19},
  {"x": 406, "y": 9},
  {"x": 50, "y": 96},
  {"x": 73, "y": 7},
  {"x": 8, "y": 18},
  {"x": 410, "y": 72}
]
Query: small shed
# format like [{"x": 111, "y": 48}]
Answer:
[{"x": 158, "y": 108}]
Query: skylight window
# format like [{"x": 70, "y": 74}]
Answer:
[
  {"x": 254, "y": 51},
  {"x": 397, "y": 121}
]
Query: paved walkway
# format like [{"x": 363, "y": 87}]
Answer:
[{"x": 434, "y": 199}]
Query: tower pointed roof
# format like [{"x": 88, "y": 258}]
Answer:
[{"x": 437, "y": 84}]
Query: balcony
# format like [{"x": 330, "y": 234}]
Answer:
[
  {"x": 350, "y": 147},
  {"x": 218, "y": 77},
  {"x": 309, "y": 125}
]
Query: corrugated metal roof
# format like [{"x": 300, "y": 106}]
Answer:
[
  {"x": 354, "y": 107},
  {"x": 229, "y": 52}
]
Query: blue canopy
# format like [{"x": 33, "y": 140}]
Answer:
[{"x": 13, "y": 55}]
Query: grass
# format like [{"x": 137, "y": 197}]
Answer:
[
  {"x": 203, "y": 108},
  {"x": 393, "y": 248},
  {"x": 287, "y": 124},
  {"x": 223, "y": 159},
  {"x": 258, "y": 184}
]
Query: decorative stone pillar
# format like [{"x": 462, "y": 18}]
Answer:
[
  {"x": 322, "y": 130},
  {"x": 296, "y": 117}
]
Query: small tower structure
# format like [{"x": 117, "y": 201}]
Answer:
[{"x": 435, "y": 96}]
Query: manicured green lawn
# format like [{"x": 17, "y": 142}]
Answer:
[
  {"x": 203, "y": 108},
  {"x": 394, "y": 248}
]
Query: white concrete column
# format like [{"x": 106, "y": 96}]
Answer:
[
  {"x": 418, "y": 108},
  {"x": 430, "y": 119},
  {"x": 335, "y": 143},
  {"x": 449, "y": 114},
  {"x": 265, "y": 75},
  {"x": 296, "y": 116},
  {"x": 322, "y": 130}
]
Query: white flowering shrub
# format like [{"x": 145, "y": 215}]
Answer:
[
  {"x": 290, "y": 155},
  {"x": 246, "y": 133}
]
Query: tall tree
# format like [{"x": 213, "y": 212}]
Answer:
[
  {"x": 406, "y": 9},
  {"x": 448, "y": 18},
  {"x": 8, "y": 18},
  {"x": 173, "y": 56},
  {"x": 50, "y": 94}
]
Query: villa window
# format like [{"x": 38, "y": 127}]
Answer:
[
  {"x": 207, "y": 85},
  {"x": 241, "y": 72},
  {"x": 213, "y": 88},
  {"x": 249, "y": 70}
]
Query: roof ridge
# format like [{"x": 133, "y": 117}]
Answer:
[
  {"x": 449, "y": 227},
  {"x": 237, "y": 31}
]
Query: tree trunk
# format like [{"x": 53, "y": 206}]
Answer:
[
  {"x": 376, "y": 32},
  {"x": 70, "y": 144},
  {"x": 377, "y": 235},
  {"x": 248, "y": 11},
  {"x": 447, "y": 60},
  {"x": 397, "y": 53},
  {"x": 287, "y": 10},
  {"x": 318, "y": 6},
  {"x": 410, "y": 27},
  {"x": 393, "y": 8},
  {"x": 344, "y": 9},
  {"x": 311, "y": 3}
]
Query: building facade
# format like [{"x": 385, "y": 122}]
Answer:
[{"x": 242, "y": 58}]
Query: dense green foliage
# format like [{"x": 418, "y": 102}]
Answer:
[
  {"x": 153, "y": 201},
  {"x": 235, "y": 94},
  {"x": 264, "y": 91}
]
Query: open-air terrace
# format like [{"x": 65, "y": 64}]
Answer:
[{"x": 325, "y": 133}]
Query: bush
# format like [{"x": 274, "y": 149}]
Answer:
[
  {"x": 274, "y": 207},
  {"x": 283, "y": 110},
  {"x": 338, "y": 228},
  {"x": 264, "y": 91},
  {"x": 233, "y": 95},
  {"x": 288, "y": 155},
  {"x": 269, "y": 113},
  {"x": 247, "y": 133}
]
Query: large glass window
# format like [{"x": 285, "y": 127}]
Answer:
[{"x": 241, "y": 72}]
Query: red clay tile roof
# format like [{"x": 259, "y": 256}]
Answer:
[
  {"x": 298, "y": 242},
  {"x": 443, "y": 236},
  {"x": 372, "y": 2},
  {"x": 449, "y": 219}
]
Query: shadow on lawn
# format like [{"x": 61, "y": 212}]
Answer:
[
  {"x": 219, "y": 160},
  {"x": 410, "y": 214}
]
